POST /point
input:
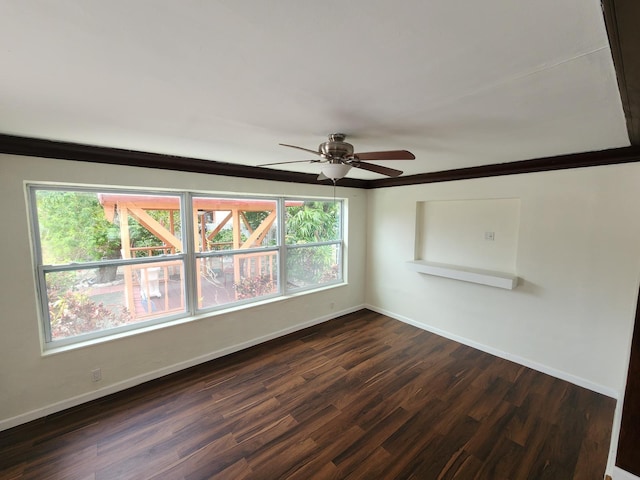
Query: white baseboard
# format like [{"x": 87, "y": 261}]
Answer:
[
  {"x": 132, "y": 382},
  {"x": 619, "y": 474},
  {"x": 581, "y": 382}
]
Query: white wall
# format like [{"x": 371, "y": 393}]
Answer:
[
  {"x": 578, "y": 257},
  {"x": 33, "y": 384},
  {"x": 578, "y": 254}
]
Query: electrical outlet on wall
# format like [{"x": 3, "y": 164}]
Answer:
[
  {"x": 96, "y": 375},
  {"x": 490, "y": 236}
]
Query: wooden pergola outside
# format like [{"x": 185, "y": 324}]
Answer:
[{"x": 120, "y": 207}]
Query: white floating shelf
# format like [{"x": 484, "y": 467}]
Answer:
[{"x": 466, "y": 274}]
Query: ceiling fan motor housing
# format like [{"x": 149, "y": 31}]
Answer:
[{"x": 336, "y": 148}]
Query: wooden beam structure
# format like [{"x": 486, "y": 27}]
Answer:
[{"x": 137, "y": 206}]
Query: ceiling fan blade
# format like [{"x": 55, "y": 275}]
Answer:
[
  {"x": 391, "y": 172},
  {"x": 300, "y": 148},
  {"x": 290, "y": 161},
  {"x": 388, "y": 155}
]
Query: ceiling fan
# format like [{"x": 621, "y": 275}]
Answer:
[{"x": 337, "y": 158}]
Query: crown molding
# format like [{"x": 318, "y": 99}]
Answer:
[
  {"x": 115, "y": 156},
  {"x": 576, "y": 160},
  {"x": 36, "y": 147}
]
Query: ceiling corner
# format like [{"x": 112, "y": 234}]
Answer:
[{"x": 622, "y": 18}]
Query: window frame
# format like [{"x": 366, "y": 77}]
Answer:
[
  {"x": 188, "y": 257},
  {"x": 339, "y": 242},
  {"x": 278, "y": 202},
  {"x": 43, "y": 269}
]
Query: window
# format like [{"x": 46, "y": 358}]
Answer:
[
  {"x": 313, "y": 243},
  {"x": 108, "y": 260},
  {"x": 237, "y": 250},
  {"x": 116, "y": 260}
]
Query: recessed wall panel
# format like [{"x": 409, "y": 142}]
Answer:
[{"x": 479, "y": 234}]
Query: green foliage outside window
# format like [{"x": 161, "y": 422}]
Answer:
[
  {"x": 311, "y": 223},
  {"x": 73, "y": 228}
]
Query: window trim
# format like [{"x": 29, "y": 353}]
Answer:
[
  {"x": 188, "y": 258},
  {"x": 41, "y": 269},
  {"x": 339, "y": 241},
  {"x": 279, "y": 202}
]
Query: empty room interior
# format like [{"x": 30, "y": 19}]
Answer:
[{"x": 269, "y": 240}]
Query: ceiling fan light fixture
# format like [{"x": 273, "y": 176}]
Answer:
[{"x": 335, "y": 171}]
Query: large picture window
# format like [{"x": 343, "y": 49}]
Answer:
[{"x": 116, "y": 260}]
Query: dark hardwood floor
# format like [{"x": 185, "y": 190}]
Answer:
[{"x": 360, "y": 397}]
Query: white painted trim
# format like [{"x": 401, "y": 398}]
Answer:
[
  {"x": 465, "y": 274},
  {"x": 619, "y": 474},
  {"x": 132, "y": 382},
  {"x": 581, "y": 382}
]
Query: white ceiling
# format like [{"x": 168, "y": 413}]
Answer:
[{"x": 458, "y": 83}]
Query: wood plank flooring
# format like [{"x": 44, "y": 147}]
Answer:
[{"x": 361, "y": 397}]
